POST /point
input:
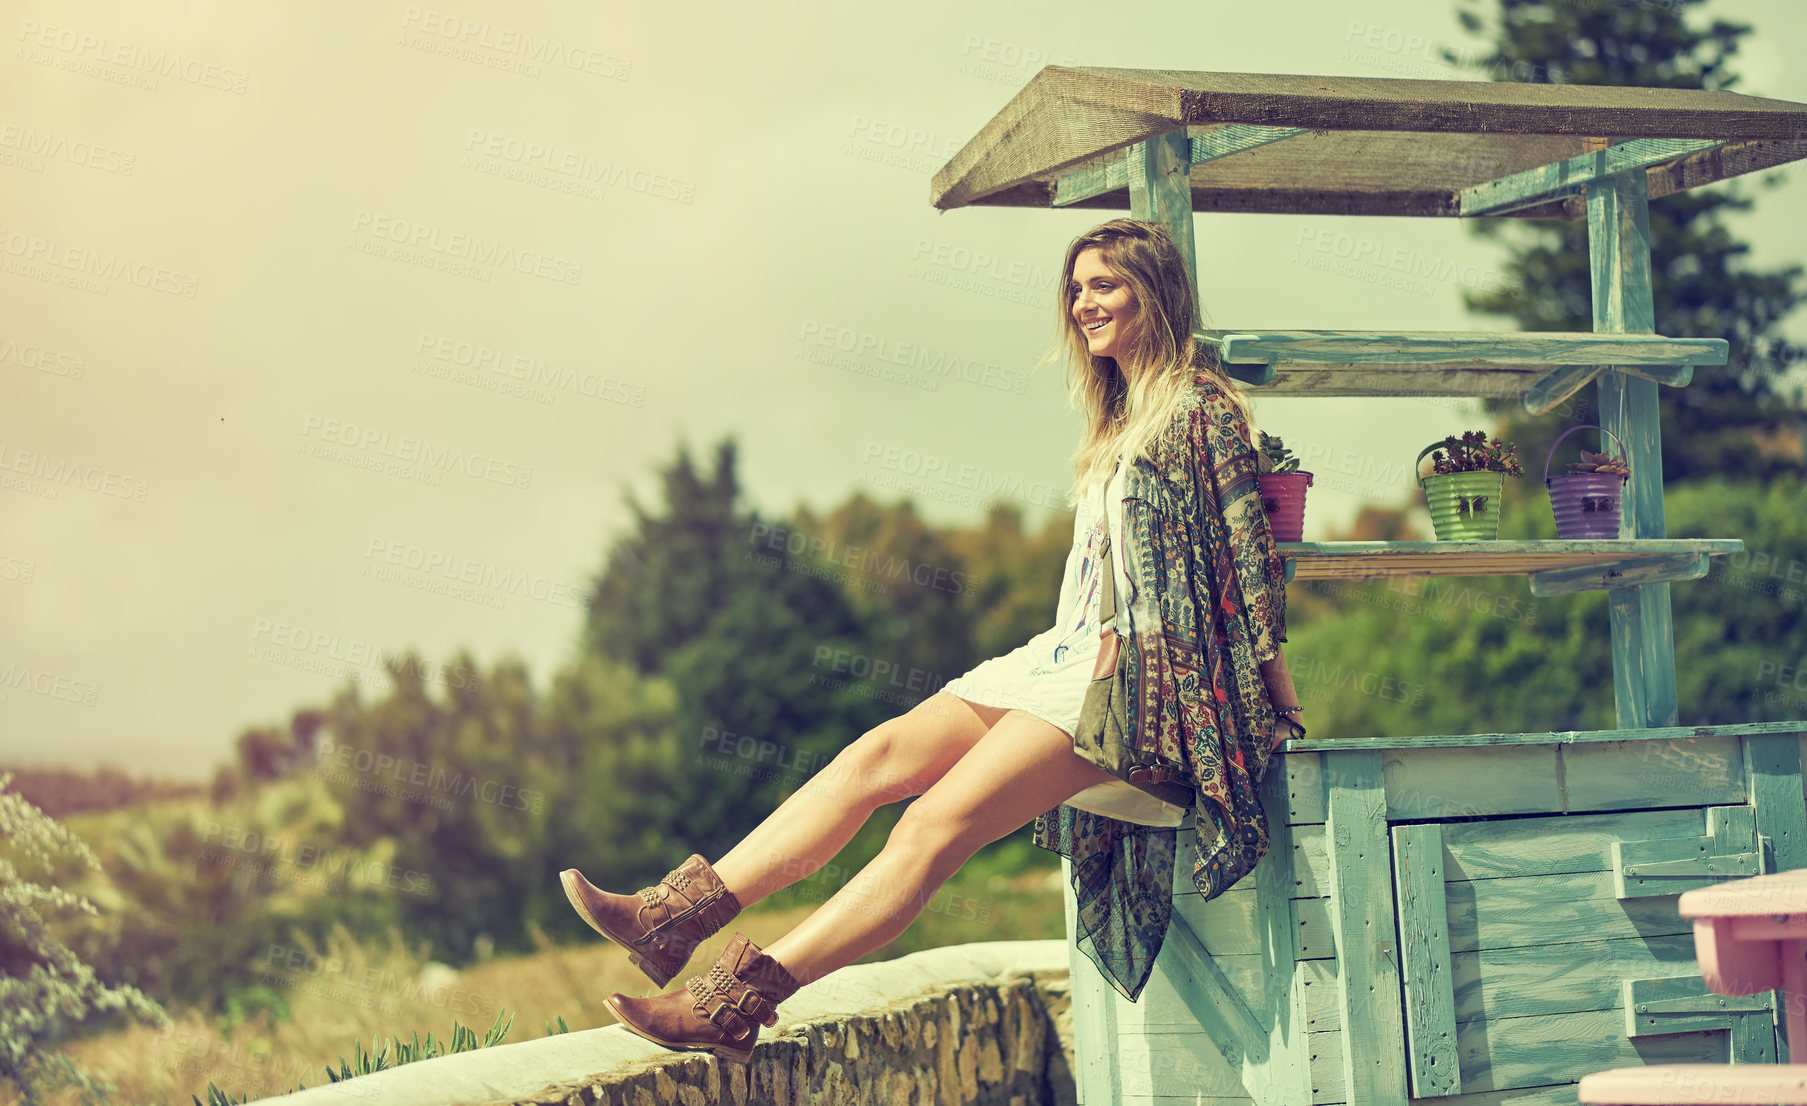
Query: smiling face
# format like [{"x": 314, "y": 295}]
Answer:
[{"x": 1103, "y": 306}]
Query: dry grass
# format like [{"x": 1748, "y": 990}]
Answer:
[
  {"x": 356, "y": 992},
  {"x": 349, "y": 992}
]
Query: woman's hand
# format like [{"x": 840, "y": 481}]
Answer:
[{"x": 1283, "y": 729}]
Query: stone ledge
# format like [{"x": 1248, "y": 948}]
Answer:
[{"x": 980, "y": 1023}]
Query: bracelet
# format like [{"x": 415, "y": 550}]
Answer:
[{"x": 1289, "y": 710}]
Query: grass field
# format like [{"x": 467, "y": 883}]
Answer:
[{"x": 350, "y": 991}]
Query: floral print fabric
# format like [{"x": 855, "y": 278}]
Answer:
[{"x": 1208, "y": 606}]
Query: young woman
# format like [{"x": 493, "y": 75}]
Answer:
[{"x": 1204, "y": 601}]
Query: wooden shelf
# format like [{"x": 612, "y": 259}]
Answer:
[
  {"x": 1539, "y": 367},
  {"x": 1392, "y": 379},
  {"x": 1552, "y": 737},
  {"x": 1556, "y": 566}
]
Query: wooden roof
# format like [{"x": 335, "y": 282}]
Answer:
[{"x": 1377, "y": 145}]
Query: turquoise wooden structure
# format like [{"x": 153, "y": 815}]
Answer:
[{"x": 1475, "y": 918}]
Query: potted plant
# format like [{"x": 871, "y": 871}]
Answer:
[
  {"x": 1586, "y": 501},
  {"x": 1467, "y": 479},
  {"x": 1282, "y": 488}
]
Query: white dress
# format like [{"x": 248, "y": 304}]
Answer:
[{"x": 1047, "y": 676}]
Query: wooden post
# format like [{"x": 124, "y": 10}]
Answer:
[
  {"x": 1160, "y": 190},
  {"x": 1364, "y": 917},
  {"x": 1097, "y": 1070},
  {"x": 1643, "y": 647}
]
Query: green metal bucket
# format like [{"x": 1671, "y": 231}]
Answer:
[{"x": 1465, "y": 506}]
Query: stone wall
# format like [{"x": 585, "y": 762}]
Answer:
[{"x": 984, "y": 1023}]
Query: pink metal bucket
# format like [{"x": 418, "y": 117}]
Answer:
[{"x": 1283, "y": 497}]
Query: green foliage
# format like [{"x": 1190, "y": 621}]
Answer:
[
  {"x": 1275, "y": 456},
  {"x": 618, "y": 812},
  {"x": 1474, "y": 452},
  {"x": 1738, "y": 632},
  {"x": 670, "y": 577},
  {"x": 463, "y": 785},
  {"x": 217, "y": 1097},
  {"x": 916, "y": 592},
  {"x": 244, "y": 1005},
  {"x": 269, "y": 753},
  {"x": 204, "y": 891},
  {"x": 61, "y": 792},
  {"x": 398, "y": 1052},
  {"x": 1013, "y": 579},
  {"x": 45, "y": 989},
  {"x": 727, "y": 606},
  {"x": 1598, "y": 462}
]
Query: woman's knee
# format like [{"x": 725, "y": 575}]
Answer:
[
  {"x": 934, "y": 831},
  {"x": 905, "y": 755},
  {"x": 877, "y": 764}
]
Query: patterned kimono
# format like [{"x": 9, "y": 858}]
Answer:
[{"x": 1208, "y": 606}]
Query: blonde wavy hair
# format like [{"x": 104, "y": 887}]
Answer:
[{"x": 1130, "y": 414}]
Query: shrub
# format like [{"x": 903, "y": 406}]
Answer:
[{"x": 45, "y": 989}]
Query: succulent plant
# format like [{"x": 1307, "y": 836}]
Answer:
[
  {"x": 1598, "y": 462},
  {"x": 1475, "y": 452},
  {"x": 1275, "y": 457}
]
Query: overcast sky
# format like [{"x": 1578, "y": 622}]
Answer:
[{"x": 677, "y": 220}]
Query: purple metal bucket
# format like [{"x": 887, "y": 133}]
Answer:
[{"x": 1587, "y": 503}]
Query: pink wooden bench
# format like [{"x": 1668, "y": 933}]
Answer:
[
  {"x": 1691, "y": 1084},
  {"x": 1750, "y": 935}
]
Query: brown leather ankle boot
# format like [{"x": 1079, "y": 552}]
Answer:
[
  {"x": 663, "y": 924},
  {"x": 720, "y": 1011}
]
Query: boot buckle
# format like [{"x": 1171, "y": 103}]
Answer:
[{"x": 748, "y": 1004}]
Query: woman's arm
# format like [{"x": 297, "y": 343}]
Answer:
[
  {"x": 1279, "y": 682},
  {"x": 1280, "y": 692},
  {"x": 1228, "y": 466}
]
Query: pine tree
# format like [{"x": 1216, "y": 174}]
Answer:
[
  {"x": 733, "y": 611},
  {"x": 1738, "y": 420}
]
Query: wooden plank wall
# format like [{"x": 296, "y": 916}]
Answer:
[
  {"x": 1426, "y": 784},
  {"x": 1525, "y": 1021}
]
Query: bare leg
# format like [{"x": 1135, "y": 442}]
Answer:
[
  {"x": 894, "y": 760},
  {"x": 1020, "y": 768}
]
